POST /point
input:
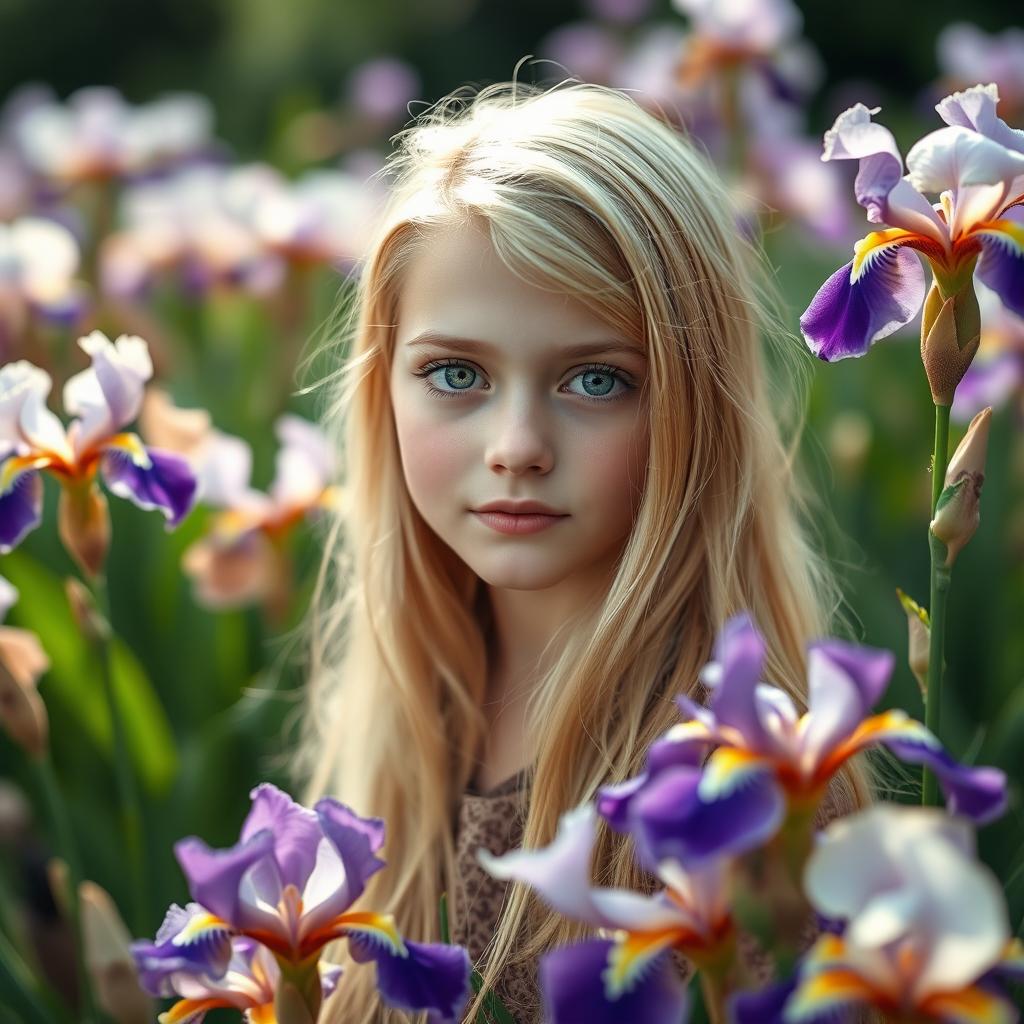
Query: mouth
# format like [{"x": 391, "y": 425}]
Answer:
[{"x": 518, "y": 522}]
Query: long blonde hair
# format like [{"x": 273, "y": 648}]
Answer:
[{"x": 582, "y": 192}]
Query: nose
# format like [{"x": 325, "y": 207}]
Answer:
[{"x": 519, "y": 440}]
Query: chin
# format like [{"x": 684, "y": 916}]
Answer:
[{"x": 514, "y": 572}]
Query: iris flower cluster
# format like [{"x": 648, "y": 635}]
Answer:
[{"x": 745, "y": 775}]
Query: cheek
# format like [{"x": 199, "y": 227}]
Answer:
[
  {"x": 434, "y": 453},
  {"x": 613, "y": 465}
]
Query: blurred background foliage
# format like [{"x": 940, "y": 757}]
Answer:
[{"x": 208, "y": 693}]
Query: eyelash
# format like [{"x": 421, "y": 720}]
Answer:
[{"x": 438, "y": 364}]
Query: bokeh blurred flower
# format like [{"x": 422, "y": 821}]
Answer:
[
  {"x": 108, "y": 958},
  {"x": 769, "y": 762},
  {"x": 289, "y": 884},
  {"x": 967, "y": 54},
  {"x": 381, "y": 89},
  {"x": 104, "y": 399},
  {"x": 238, "y": 227},
  {"x": 631, "y": 975},
  {"x": 96, "y": 135},
  {"x": 15, "y": 187},
  {"x": 926, "y": 935},
  {"x": 39, "y": 259},
  {"x": 22, "y": 661},
  {"x": 996, "y": 376},
  {"x": 240, "y": 559},
  {"x": 762, "y": 36},
  {"x": 976, "y": 164}
]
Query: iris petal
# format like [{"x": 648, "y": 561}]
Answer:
[
  {"x": 423, "y": 976},
  {"x": 571, "y": 979},
  {"x": 21, "y": 510},
  {"x": 167, "y": 483},
  {"x": 850, "y": 312},
  {"x": 1002, "y": 258}
]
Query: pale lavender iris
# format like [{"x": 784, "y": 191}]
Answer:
[
  {"x": 289, "y": 884},
  {"x": 104, "y": 399},
  {"x": 975, "y": 166}
]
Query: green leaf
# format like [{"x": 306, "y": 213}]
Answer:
[{"x": 73, "y": 679}]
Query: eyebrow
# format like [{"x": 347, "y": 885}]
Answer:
[{"x": 589, "y": 348}]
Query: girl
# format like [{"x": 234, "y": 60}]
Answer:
[{"x": 557, "y": 315}]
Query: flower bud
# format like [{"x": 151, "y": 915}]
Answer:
[
  {"x": 918, "y": 639},
  {"x": 957, "y": 513},
  {"x": 22, "y": 711},
  {"x": 950, "y": 335},
  {"x": 83, "y": 522},
  {"x": 109, "y": 959}
]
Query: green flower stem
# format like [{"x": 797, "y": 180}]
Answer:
[
  {"x": 938, "y": 592},
  {"x": 69, "y": 850},
  {"x": 714, "y": 992},
  {"x": 131, "y": 812},
  {"x": 19, "y": 986}
]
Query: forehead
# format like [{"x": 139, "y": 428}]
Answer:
[{"x": 456, "y": 285}]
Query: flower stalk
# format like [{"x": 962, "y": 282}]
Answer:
[
  {"x": 131, "y": 814},
  {"x": 64, "y": 835}
]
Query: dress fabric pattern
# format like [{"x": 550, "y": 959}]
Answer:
[{"x": 493, "y": 820}]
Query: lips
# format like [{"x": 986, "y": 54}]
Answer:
[
  {"x": 516, "y": 508},
  {"x": 518, "y": 523}
]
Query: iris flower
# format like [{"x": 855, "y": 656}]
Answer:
[
  {"x": 767, "y": 760},
  {"x": 95, "y": 134},
  {"x": 912, "y": 945},
  {"x": 248, "y": 981},
  {"x": 39, "y": 259},
  {"x": 628, "y": 975},
  {"x": 104, "y": 399},
  {"x": 289, "y": 884},
  {"x": 976, "y": 166}
]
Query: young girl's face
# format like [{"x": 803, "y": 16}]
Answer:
[{"x": 514, "y": 414}]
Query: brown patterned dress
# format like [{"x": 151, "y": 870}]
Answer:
[{"x": 494, "y": 821}]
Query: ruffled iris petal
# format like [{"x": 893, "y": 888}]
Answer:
[
  {"x": 421, "y": 976},
  {"x": 850, "y": 312},
  {"x": 294, "y": 827},
  {"x": 572, "y": 981},
  {"x": 190, "y": 940},
  {"x": 215, "y": 876},
  {"x": 978, "y": 793},
  {"x": 734, "y": 675},
  {"x": 671, "y": 822},
  {"x": 357, "y": 841},
  {"x": 21, "y": 510},
  {"x": 1001, "y": 267},
  {"x": 167, "y": 483}
]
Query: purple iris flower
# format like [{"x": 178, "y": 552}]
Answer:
[
  {"x": 289, "y": 884},
  {"x": 765, "y": 758},
  {"x": 104, "y": 398},
  {"x": 631, "y": 975},
  {"x": 976, "y": 166}
]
